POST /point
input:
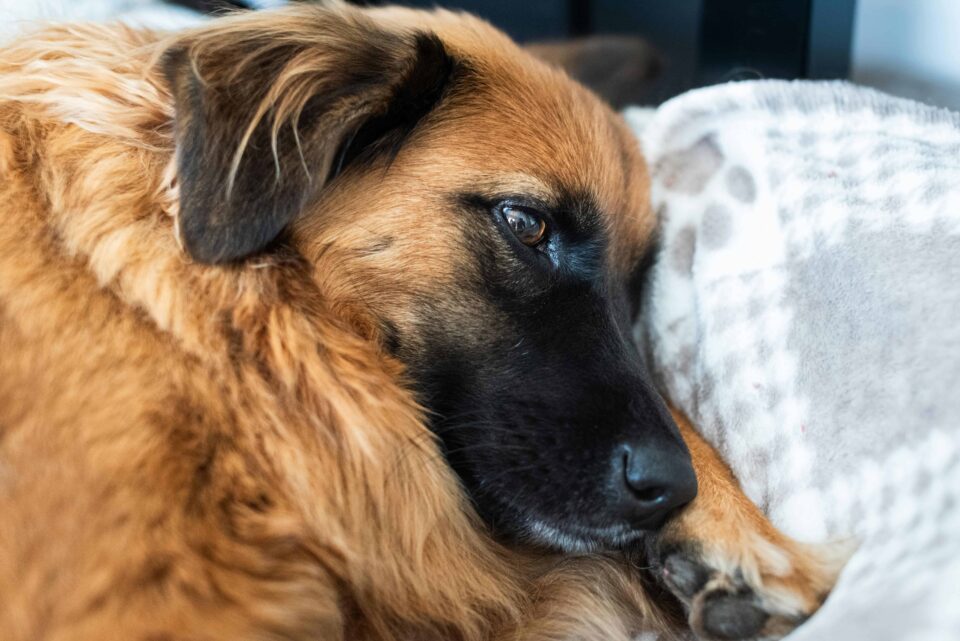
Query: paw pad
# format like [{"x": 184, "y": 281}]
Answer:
[
  {"x": 720, "y": 606},
  {"x": 725, "y": 615}
]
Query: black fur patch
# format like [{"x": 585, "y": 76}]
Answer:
[
  {"x": 538, "y": 377},
  {"x": 415, "y": 97},
  {"x": 640, "y": 277}
]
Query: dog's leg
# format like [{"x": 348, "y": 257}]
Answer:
[{"x": 737, "y": 575}]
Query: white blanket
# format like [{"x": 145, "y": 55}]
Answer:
[
  {"x": 17, "y": 16},
  {"x": 804, "y": 310}
]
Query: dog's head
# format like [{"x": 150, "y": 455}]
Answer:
[{"x": 486, "y": 213}]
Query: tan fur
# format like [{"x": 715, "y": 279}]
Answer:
[{"x": 197, "y": 452}]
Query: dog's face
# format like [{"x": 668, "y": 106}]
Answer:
[{"x": 487, "y": 214}]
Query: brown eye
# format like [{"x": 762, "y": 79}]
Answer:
[{"x": 526, "y": 224}]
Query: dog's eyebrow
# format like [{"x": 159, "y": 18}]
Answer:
[{"x": 515, "y": 184}]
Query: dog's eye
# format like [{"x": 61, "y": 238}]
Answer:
[{"x": 526, "y": 224}]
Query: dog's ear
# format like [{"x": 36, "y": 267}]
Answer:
[{"x": 269, "y": 108}]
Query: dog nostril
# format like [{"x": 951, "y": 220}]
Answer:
[
  {"x": 655, "y": 494},
  {"x": 656, "y": 480},
  {"x": 651, "y": 493}
]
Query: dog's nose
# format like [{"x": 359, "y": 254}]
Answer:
[{"x": 654, "y": 480}]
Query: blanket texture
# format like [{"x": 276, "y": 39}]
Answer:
[{"x": 804, "y": 310}]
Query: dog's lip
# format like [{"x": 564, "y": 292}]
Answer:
[{"x": 583, "y": 538}]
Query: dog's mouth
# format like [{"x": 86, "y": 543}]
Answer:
[
  {"x": 571, "y": 528},
  {"x": 574, "y": 538},
  {"x": 563, "y": 465}
]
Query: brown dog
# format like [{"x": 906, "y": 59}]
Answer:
[{"x": 273, "y": 291}]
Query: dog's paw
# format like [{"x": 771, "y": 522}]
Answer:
[{"x": 752, "y": 588}]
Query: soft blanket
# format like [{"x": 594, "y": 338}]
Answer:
[{"x": 804, "y": 310}]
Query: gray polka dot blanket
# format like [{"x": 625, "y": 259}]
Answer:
[{"x": 804, "y": 310}]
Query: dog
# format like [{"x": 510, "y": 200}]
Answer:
[{"x": 315, "y": 323}]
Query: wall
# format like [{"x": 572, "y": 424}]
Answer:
[{"x": 910, "y": 48}]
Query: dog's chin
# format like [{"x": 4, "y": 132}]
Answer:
[
  {"x": 573, "y": 538},
  {"x": 515, "y": 525}
]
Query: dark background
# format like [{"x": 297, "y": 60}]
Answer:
[{"x": 698, "y": 42}]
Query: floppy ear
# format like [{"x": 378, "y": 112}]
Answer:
[{"x": 270, "y": 106}]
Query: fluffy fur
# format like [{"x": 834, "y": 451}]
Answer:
[
  {"x": 190, "y": 451},
  {"x": 279, "y": 441}
]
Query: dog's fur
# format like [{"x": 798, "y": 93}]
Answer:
[{"x": 232, "y": 451}]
